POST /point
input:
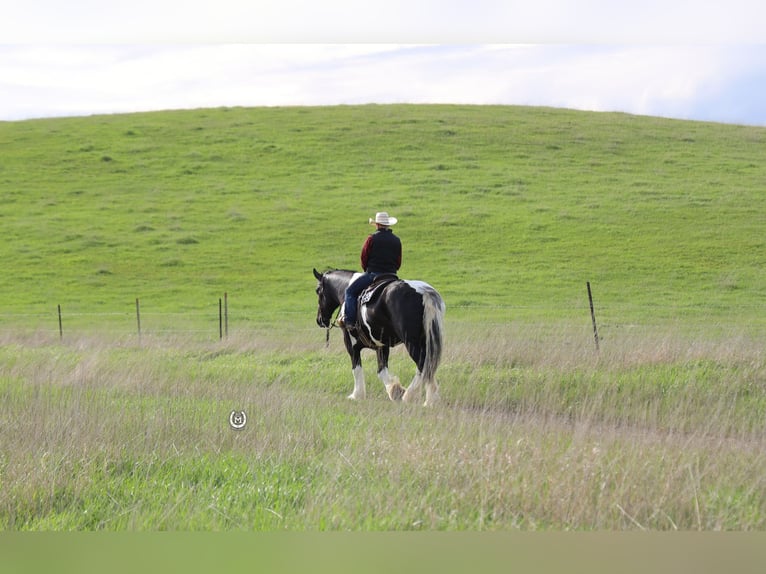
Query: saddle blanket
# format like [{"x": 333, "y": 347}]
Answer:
[{"x": 376, "y": 287}]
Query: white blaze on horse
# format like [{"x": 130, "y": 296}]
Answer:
[{"x": 391, "y": 311}]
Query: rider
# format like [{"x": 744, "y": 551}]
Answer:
[{"x": 381, "y": 253}]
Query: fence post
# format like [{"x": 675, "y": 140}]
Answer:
[
  {"x": 61, "y": 327},
  {"x": 593, "y": 316},
  {"x": 220, "y": 320},
  {"x": 138, "y": 320}
]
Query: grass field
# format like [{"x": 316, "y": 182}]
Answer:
[{"x": 507, "y": 211}]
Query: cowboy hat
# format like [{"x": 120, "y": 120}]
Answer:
[{"x": 382, "y": 218}]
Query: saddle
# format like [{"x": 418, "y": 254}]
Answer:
[{"x": 375, "y": 288}]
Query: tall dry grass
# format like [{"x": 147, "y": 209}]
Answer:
[{"x": 535, "y": 431}]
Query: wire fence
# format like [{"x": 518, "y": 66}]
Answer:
[{"x": 216, "y": 322}]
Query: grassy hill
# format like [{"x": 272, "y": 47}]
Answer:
[{"x": 508, "y": 211}]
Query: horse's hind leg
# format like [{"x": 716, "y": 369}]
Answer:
[
  {"x": 413, "y": 391},
  {"x": 391, "y": 382},
  {"x": 432, "y": 393},
  {"x": 417, "y": 354},
  {"x": 394, "y": 388}
]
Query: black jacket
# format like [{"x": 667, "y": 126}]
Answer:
[{"x": 382, "y": 252}]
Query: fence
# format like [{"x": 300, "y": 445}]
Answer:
[
  {"x": 214, "y": 322},
  {"x": 111, "y": 319}
]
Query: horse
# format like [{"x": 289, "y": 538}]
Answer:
[{"x": 402, "y": 311}]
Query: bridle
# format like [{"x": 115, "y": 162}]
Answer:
[{"x": 332, "y": 323}]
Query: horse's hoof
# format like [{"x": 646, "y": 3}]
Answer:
[{"x": 396, "y": 393}]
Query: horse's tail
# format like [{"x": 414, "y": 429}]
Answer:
[{"x": 433, "y": 329}]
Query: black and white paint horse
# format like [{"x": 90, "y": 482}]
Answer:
[{"x": 409, "y": 312}]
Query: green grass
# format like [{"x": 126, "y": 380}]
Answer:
[
  {"x": 508, "y": 211},
  {"x": 506, "y": 207}
]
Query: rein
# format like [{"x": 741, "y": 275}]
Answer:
[{"x": 332, "y": 324}]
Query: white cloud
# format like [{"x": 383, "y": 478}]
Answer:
[
  {"x": 674, "y": 81},
  {"x": 638, "y": 79},
  {"x": 680, "y": 58}
]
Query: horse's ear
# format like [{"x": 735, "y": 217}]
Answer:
[{"x": 317, "y": 274}]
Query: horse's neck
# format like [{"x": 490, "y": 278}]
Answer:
[{"x": 341, "y": 283}]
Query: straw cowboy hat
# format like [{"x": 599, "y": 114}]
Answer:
[{"x": 382, "y": 218}]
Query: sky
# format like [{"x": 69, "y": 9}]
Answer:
[{"x": 687, "y": 59}]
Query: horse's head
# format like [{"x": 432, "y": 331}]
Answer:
[
  {"x": 328, "y": 301},
  {"x": 331, "y": 290}
]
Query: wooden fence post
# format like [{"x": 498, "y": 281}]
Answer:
[
  {"x": 138, "y": 320},
  {"x": 61, "y": 327},
  {"x": 592, "y": 316},
  {"x": 220, "y": 320}
]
